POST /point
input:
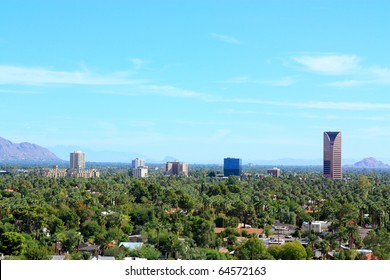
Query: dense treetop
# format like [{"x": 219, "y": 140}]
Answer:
[{"x": 177, "y": 215}]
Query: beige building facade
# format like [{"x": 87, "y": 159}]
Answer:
[
  {"x": 176, "y": 168},
  {"x": 77, "y": 160}
]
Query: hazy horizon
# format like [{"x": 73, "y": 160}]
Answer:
[{"x": 197, "y": 80}]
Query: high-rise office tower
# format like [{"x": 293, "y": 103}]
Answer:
[
  {"x": 232, "y": 167},
  {"x": 332, "y": 155},
  {"x": 137, "y": 163},
  {"x": 77, "y": 160}
]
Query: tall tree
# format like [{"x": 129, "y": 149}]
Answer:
[
  {"x": 252, "y": 249},
  {"x": 12, "y": 243}
]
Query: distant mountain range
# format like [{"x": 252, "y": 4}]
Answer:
[
  {"x": 25, "y": 152},
  {"x": 370, "y": 162}
]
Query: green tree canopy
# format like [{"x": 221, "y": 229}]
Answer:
[
  {"x": 252, "y": 249},
  {"x": 12, "y": 243},
  {"x": 379, "y": 243},
  {"x": 293, "y": 251}
]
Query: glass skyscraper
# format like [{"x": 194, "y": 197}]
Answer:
[
  {"x": 232, "y": 167},
  {"x": 332, "y": 155}
]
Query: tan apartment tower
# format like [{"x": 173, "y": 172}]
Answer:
[
  {"x": 332, "y": 155},
  {"x": 176, "y": 168},
  {"x": 77, "y": 160}
]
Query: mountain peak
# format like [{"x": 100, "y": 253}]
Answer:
[
  {"x": 370, "y": 162},
  {"x": 24, "y": 152}
]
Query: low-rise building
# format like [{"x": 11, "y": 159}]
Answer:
[
  {"x": 316, "y": 226},
  {"x": 55, "y": 172},
  {"x": 140, "y": 172},
  {"x": 274, "y": 172}
]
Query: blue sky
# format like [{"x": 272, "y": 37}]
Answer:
[{"x": 197, "y": 80}]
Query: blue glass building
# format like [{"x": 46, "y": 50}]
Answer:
[{"x": 232, "y": 167}]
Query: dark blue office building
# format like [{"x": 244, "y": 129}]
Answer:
[{"x": 232, "y": 167}]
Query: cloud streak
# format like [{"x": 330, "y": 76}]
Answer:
[
  {"x": 316, "y": 104},
  {"x": 37, "y": 76},
  {"x": 173, "y": 91},
  {"x": 40, "y": 76},
  {"x": 371, "y": 76},
  {"x": 329, "y": 64},
  {"x": 282, "y": 82},
  {"x": 226, "y": 39},
  {"x": 344, "y": 65}
]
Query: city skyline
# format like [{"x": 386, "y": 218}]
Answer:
[{"x": 199, "y": 81}]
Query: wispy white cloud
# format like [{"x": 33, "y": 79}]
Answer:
[
  {"x": 375, "y": 132},
  {"x": 329, "y": 64},
  {"x": 159, "y": 90},
  {"x": 346, "y": 83},
  {"x": 173, "y": 91},
  {"x": 380, "y": 75},
  {"x": 238, "y": 80},
  {"x": 358, "y": 118},
  {"x": 13, "y": 91},
  {"x": 381, "y": 72},
  {"x": 39, "y": 76},
  {"x": 347, "y": 105},
  {"x": 238, "y": 112},
  {"x": 141, "y": 123},
  {"x": 347, "y": 65},
  {"x": 226, "y": 39},
  {"x": 197, "y": 122},
  {"x": 343, "y": 105},
  {"x": 221, "y": 134},
  {"x": 137, "y": 62},
  {"x": 108, "y": 127},
  {"x": 282, "y": 82},
  {"x": 315, "y": 104},
  {"x": 366, "y": 76}
]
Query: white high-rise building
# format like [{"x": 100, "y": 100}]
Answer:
[
  {"x": 77, "y": 160},
  {"x": 140, "y": 170},
  {"x": 137, "y": 163}
]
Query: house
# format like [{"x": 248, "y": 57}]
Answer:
[
  {"x": 131, "y": 245},
  {"x": 137, "y": 238},
  {"x": 367, "y": 254},
  {"x": 316, "y": 226},
  {"x": 88, "y": 247},
  {"x": 328, "y": 255}
]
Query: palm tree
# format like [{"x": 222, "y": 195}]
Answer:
[
  {"x": 324, "y": 247},
  {"x": 353, "y": 233},
  {"x": 313, "y": 240}
]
